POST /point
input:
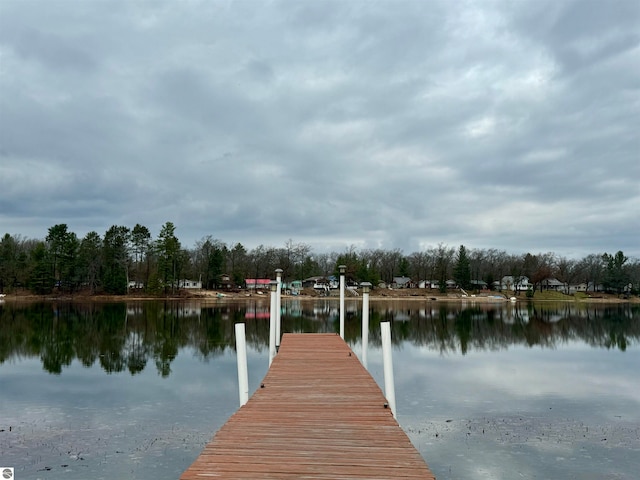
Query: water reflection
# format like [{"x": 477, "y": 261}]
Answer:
[
  {"x": 127, "y": 336},
  {"x": 473, "y": 395},
  {"x": 460, "y": 327}
]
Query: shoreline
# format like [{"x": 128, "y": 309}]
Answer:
[{"x": 388, "y": 295}]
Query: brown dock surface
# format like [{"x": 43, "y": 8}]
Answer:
[{"x": 319, "y": 415}]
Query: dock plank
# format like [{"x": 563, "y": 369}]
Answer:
[{"x": 319, "y": 415}]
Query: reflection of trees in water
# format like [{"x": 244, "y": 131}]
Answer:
[
  {"x": 122, "y": 336},
  {"x": 459, "y": 327},
  {"x": 116, "y": 335}
]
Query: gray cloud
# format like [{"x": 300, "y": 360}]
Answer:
[{"x": 393, "y": 124}]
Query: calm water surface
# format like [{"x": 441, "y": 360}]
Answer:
[{"x": 134, "y": 391}]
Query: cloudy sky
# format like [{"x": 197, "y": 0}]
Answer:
[{"x": 392, "y": 124}]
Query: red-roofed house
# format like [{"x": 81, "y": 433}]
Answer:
[{"x": 257, "y": 283}]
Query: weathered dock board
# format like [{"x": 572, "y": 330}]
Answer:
[{"x": 319, "y": 415}]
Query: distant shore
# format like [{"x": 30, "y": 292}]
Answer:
[{"x": 310, "y": 295}]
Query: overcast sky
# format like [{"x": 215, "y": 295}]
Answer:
[{"x": 393, "y": 124}]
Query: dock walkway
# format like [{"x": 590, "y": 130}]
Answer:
[{"x": 318, "y": 414}]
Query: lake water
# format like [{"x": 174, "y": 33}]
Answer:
[{"x": 135, "y": 390}]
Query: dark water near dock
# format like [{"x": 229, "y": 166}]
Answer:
[{"x": 134, "y": 391}]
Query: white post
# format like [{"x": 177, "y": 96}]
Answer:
[
  {"x": 273, "y": 286},
  {"x": 365, "y": 321},
  {"x": 389, "y": 387},
  {"x": 342, "y": 270},
  {"x": 278, "y": 306},
  {"x": 241, "y": 352}
]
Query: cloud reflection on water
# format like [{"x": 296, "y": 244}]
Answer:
[
  {"x": 121, "y": 424},
  {"x": 521, "y": 413},
  {"x": 519, "y": 399}
]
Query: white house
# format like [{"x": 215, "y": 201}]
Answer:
[
  {"x": 518, "y": 284},
  {"x": 401, "y": 282},
  {"x": 189, "y": 284},
  {"x": 580, "y": 287}
]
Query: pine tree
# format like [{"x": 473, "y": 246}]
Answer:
[
  {"x": 115, "y": 274},
  {"x": 462, "y": 270}
]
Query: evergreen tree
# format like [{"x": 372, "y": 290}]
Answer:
[
  {"x": 141, "y": 244},
  {"x": 209, "y": 260},
  {"x": 616, "y": 277},
  {"x": 69, "y": 271},
  {"x": 63, "y": 256},
  {"x": 168, "y": 250},
  {"x": 90, "y": 260},
  {"x": 349, "y": 259},
  {"x": 8, "y": 262},
  {"x": 367, "y": 272},
  {"x": 237, "y": 264},
  {"x": 55, "y": 242},
  {"x": 115, "y": 252},
  {"x": 40, "y": 279},
  {"x": 462, "y": 269}
]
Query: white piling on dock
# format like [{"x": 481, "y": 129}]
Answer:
[
  {"x": 342, "y": 269},
  {"x": 273, "y": 287},
  {"x": 389, "y": 385},
  {"x": 241, "y": 353},
  {"x": 278, "y": 306},
  {"x": 365, "y": 321}
]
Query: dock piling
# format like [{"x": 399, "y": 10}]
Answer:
[
  {"x": 365, "y": 321},
  {"x": 241, "y": 352},
  {"x": 278, "y": 306},
  {"x": 389, "y": 384},
  {"x": 273, "y": 286},
  {"x": 343, "y": 269}
]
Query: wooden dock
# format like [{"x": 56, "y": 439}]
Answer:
[{"x": 318, "y": 414}]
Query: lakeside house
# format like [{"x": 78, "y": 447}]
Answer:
[
  {"x": 224, "y": 281},
  {"x": 402, "y": 282},
  {"x": 435, "y": 284},
  {"x": 517, "y": 284},
  {"x": 317, "y": 282},
  {"x": 189, "y": 284},
  {"x": 430, "y": 284},
  {"x": 478, "y": 284},
  {"x": 257, "y": 283},
  {"x": 580, "y": 287},
  {"x": 293, "y": 287},
  {"x": 553, "y": 284},
  {"x": 321, "y": 282},
  {"x": 182, "y": 283}
]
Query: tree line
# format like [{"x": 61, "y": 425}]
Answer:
[{"x": 130, "y": 258}]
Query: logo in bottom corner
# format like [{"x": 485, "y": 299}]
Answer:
[{"x": 7, "y": 473}]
